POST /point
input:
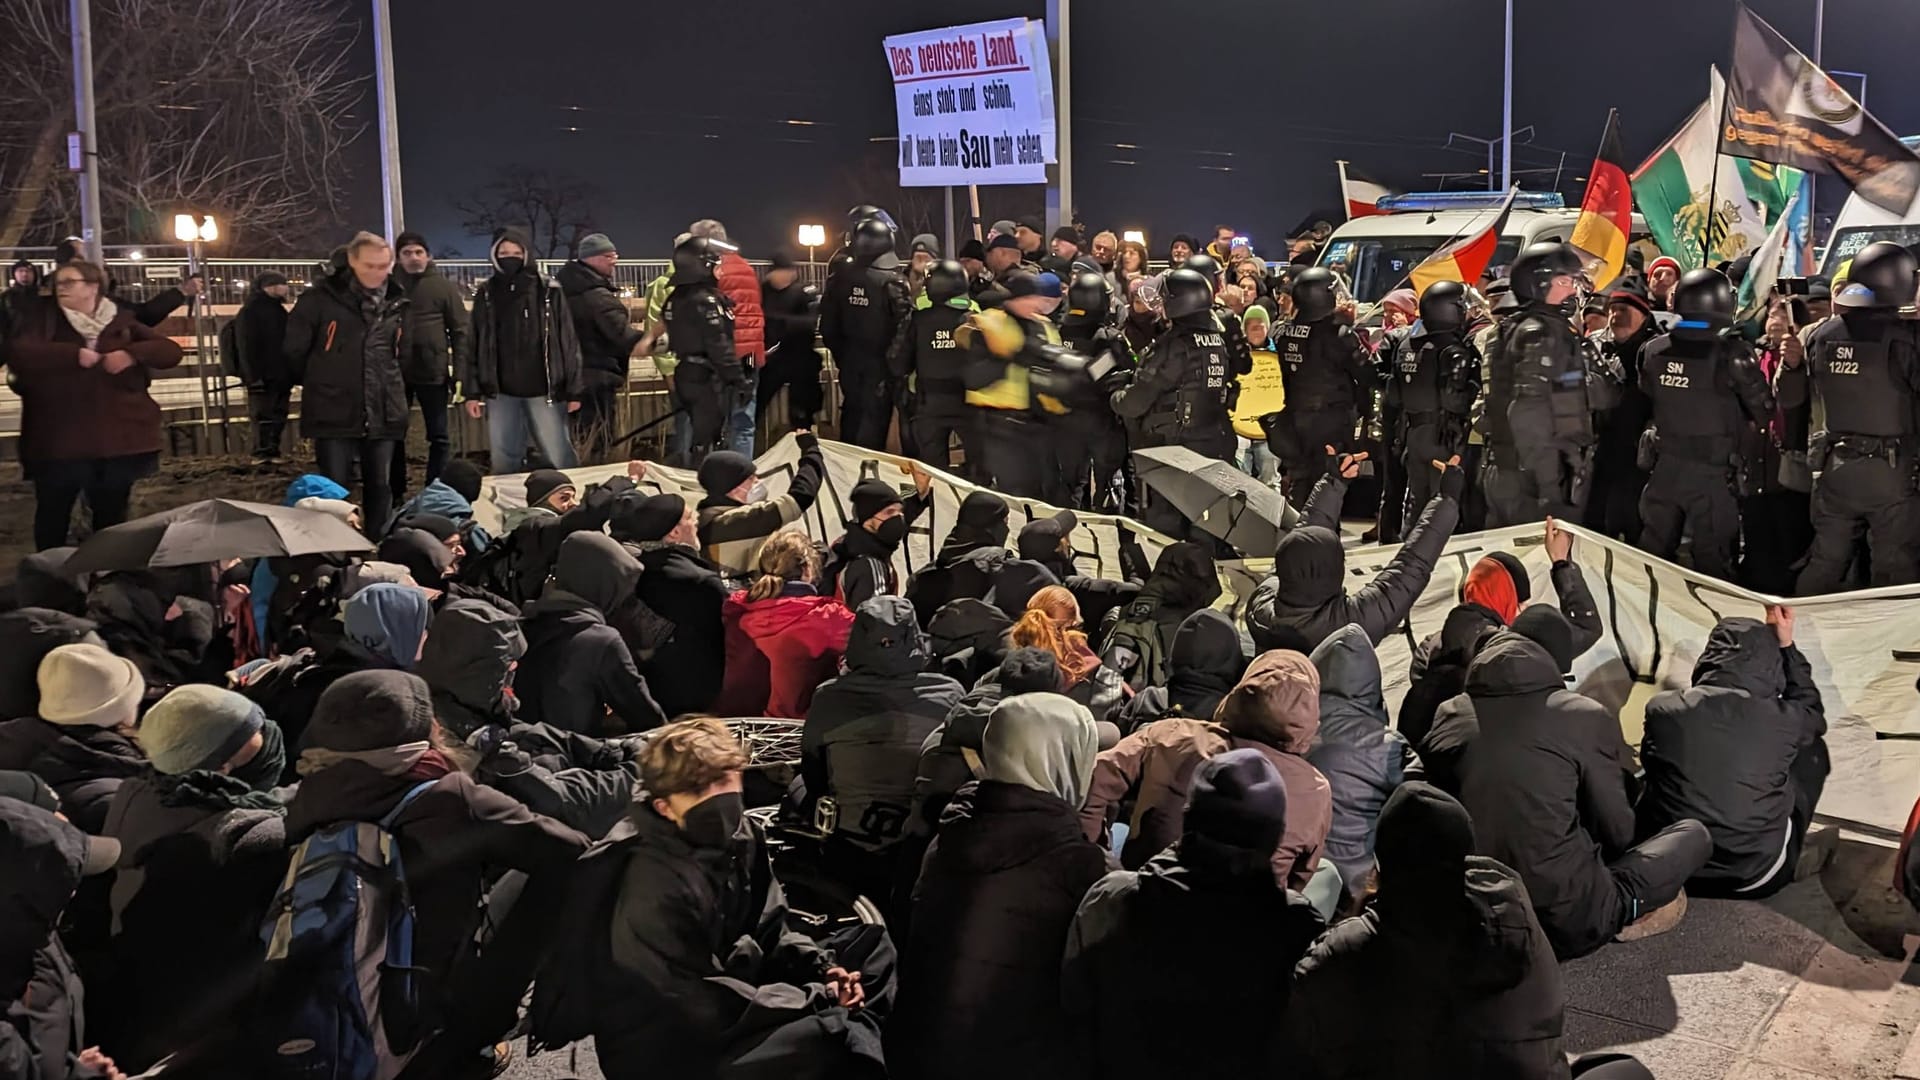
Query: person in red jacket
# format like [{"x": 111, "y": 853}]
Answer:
[
  {"x": 783, "y": 638},
  {"x": 741, "y": 286}
]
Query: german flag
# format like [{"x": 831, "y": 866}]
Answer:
[
  {"x": 1606, "y": 213},
  {"x": 1465, "y": 257}
]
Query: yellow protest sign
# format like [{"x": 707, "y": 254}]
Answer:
[{"x": 1261, "y": 392}]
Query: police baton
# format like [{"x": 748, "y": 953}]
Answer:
[{"x": 646, "y": 427}]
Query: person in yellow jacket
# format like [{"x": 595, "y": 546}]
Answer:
[{"x": 1004, "y": 345}]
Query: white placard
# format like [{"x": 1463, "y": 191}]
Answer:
[{"x": 975, "y": 104}]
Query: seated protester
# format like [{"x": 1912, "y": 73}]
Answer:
[
  {"x": 81, "y": 743},
  {"x": 950, "y": 756},
  {"x": 578, "y": 674},
  {"x": 203, "y": 846},
  {"x": 268, "y": 574},
  {"x": 453, "y": 495},
  {"x": 972, "y": 553},
  {"x": 1743, "y": 751},
  {"x": 1136, "y": 639},
  {"x": 859, "y": 565},
  {"x": 980, "y": 992},
  {"x": 1052, "y": 622},
  {"x": 860, "y": 746},
  {"x": 43, "y": 859},
  {"x": 41, "y": 581},
  {"x": 385, "y": 629},
  {"x": 372, "y": 743},
  {"x": 1357, "y": 750},
  {"x": 709, "y": 970},
  {"x": 969, "y": 639},
  {"x": 1446, "y": 972},
  {"x": 468, "y": 663},
  {"x": 518, "y": 567},
  {"x": 736, "y": 517},
  {"x": 1305, "y": 599},
  {"x": 1544, "y": 777},
  {"x": 27, "y": 635},
  {"x": 1491, "y": 598},
  {"x": 166, "y": 635},
  {"x": 1274, "y": 709},
  {"x": 432, "y": 560},
  {"x": 1049, "y": 542},
  {"x": 783, "y": 637},
  {"x": 1202, "y": 666},
  {"x": 1016, "y": 583},
  {"x": 1200, "y": 939},
  {"x": 686, "y": 670}
]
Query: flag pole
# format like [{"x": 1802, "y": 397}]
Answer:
[{"x": 1719, "y": 130}]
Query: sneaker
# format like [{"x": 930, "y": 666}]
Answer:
[
  {"x": 1816, "y": 851},
  {"x": 502, "y": 1058},
  {"x": 1655, "y": 922}
]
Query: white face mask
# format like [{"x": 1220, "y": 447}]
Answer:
[{"x": 757, "y": 493}]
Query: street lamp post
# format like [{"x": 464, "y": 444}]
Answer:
[
  {"x": 811, "y": 237},
  {"x": 197, "y": 234}
]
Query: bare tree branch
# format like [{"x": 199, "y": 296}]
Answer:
[
  {"x": 555, "y": 208},
  {"x": 237, "y": 108}
]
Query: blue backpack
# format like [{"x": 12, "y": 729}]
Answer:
[{"x": 342, "y": 999}]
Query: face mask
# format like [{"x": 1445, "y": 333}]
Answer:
[
  {"x": 891, "y": 532},
  {"x": 712, "y": 822},
  {"x": 511, "y": 265},
  {"x": 757, "y": 493},
  {"x": 263, "y": 771}
]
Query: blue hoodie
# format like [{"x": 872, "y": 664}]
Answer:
[
  {"x": 265, "y": 581},
  {"x": 389, "y": 621},
  {"x": 438, "y": 498}
]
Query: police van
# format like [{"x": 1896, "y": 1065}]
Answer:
[
  {"x": 1861, "y": 223},
  {"x": 1374, "y": 254}
]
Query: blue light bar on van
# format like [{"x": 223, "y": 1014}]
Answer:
[{"x": 1430, "y": 201}]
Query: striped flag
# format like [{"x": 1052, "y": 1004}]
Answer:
[
  {"x": 1361, "y": 193},
  {"x": 1466, "y": 256},
  {"x": 1606, "y": 212}
]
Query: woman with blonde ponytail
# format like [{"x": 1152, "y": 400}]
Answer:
[
  {"x": 783, "y": 637},
  {"x": 1052, "y": 622}
]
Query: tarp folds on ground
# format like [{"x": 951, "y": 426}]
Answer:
[{"x": 1657, "y": 615}]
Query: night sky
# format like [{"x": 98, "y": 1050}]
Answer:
[{"x": 676, "y": 111}]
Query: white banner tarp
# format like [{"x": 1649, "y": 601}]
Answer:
[{"x": 1656, "y": 614}]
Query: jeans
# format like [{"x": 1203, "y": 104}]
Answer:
[
  {"x": 740, "y": 423},
  {"x": 267, "y": 408},
  {"x": 1257, "y": 461},
  {"x": 433, "y": 417},
  {"x": 593, "y": 424},
  {"x": 335, "y": 459},
  {"x": 680, "y": 443},
  {"x": 511, "y": 420},
  {"x": 53, "y": 508}
]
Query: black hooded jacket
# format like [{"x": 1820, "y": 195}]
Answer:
[
  {"x": 964, "y": 568},
  {"x": 969, "y": 639},
  {"x": 601, "y": 323},
  {"x": 1545, "y": 780},
  {"x": 1200, "y": 939},
  {"x": 44, "y": 1029},
  {"x": 83, "y": 765},
  {"x": 260, "y": 337},
  {"x": 1446, "y": 974},
  {"x": 686, "y": 671},
  {"x": 577, "y": 667},
  {"x": 1306, "y": 598},
  {"x": 863, "y": 734},
  {"x": 1204, "y": 664},
  {"x": 1184, "y": 581},
  {"x": 523, "y": 340},
  {"x": 42, "y": 582},
  {"x": 27, "y": 635},
  {"x": 1719, "y": 752}
]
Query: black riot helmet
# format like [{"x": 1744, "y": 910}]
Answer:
[
  {"x": 871, "y": 239},
  {"x": 1313, "y": 294},
  {"x": 1443, "y": 307},
  {"x": 1704, "y": 296},
  {"x": 696, "y": 256},
  {"x": 1187, "y": 292},
  {"x": 1537, "y": 265},
  {"x": 946, "y": 280},
  {"x": 1204, "y": 264},
  {"x": 1089, "y": 294},
  {"x": 868, "y": 212},
  {"x": 1882, "y": 276}
]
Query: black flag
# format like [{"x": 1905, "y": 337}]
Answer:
[{"x": 1782, "y": 108}]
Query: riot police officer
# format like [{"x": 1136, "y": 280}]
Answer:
[
  {"x": 710, "y": 381},
  {"x": 1538, "y": 463},
  {"x": 1328, "y": 376},
  {"x": 1707, "y": 392},
  {"x": 863, "y": 319},
  {"x": 1239, "y": 352},
  {"x": 938, "y": 368},
  {"x": 1094, "y": 442},
  {"x": 1864, "y": 369},
  {"x": 1009, "y": 349},
  {"x": 1433, "y": 378},
  {"x": 1181, "y": 394}
]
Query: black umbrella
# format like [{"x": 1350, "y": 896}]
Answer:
[
  {"x": 213, "y": 530},
  {"x": 1218, "y": 498}
]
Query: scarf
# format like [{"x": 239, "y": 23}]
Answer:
[
  {"x": 87, "y": 325},
  {"x": 387, "y": 759},
  {"x": 214, "y": 791}
]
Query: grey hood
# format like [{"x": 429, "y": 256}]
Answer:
[{"x": 1041, "y": 741}]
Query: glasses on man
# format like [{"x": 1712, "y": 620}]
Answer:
[{"x": 69, "y": 282}]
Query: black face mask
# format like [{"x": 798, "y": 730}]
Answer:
[
  {"x": 510, "y": 265},
  {"x": 263, "y": 771},
  {"x": 712, "y": 822},
  {"x": 891, "y": 532}
]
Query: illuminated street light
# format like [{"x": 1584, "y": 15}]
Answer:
[
  {"x": 1134, "y": 236},
  {"x": 811, "y": 237},
  {"x": 186, "y": 230}
]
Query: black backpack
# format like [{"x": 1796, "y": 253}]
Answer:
[{"x": 576, "y": 980}]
